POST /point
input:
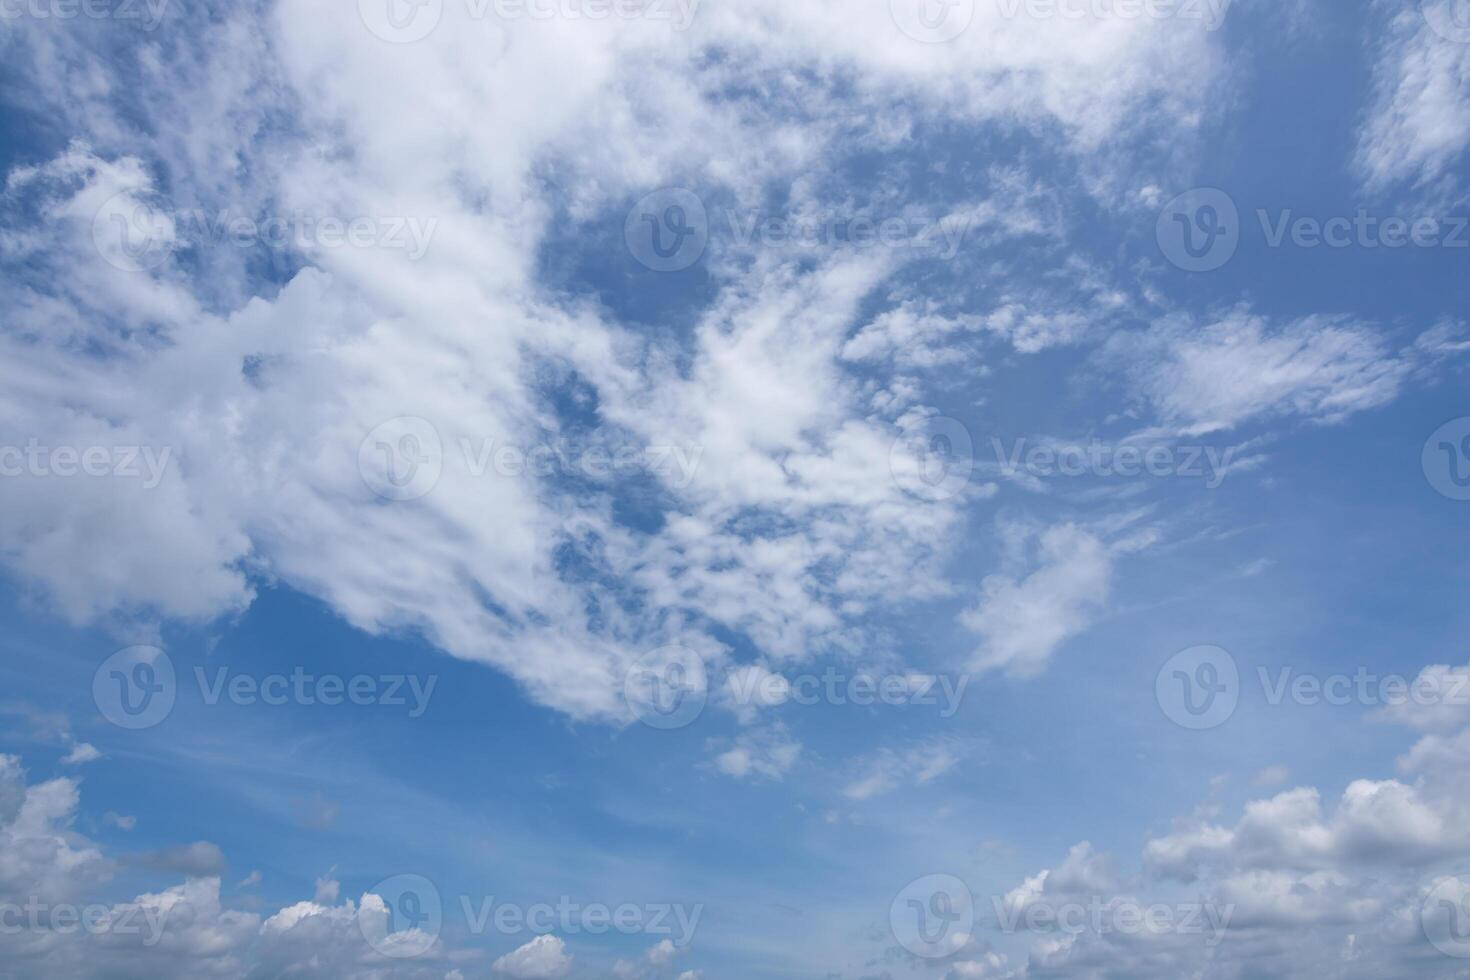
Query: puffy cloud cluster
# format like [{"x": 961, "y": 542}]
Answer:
[{"x": 58, "y": 922}]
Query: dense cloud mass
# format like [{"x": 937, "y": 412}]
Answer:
[{"x": 305, "y": 281}]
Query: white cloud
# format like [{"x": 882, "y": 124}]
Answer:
[
  {"x": 765, "y": 753},
  {"x": 1241, "y": 368},
  {"x": 1022, "y": 619},
  {"x": 889, "y": 769},
  {"x": 543, "y": 958},
  {"x": 81, "y": 753},
  {"x": 263, "y": 391},
  {"x": 1418, "y": 126}
]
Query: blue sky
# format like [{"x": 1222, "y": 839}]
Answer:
[{"x": 873, "y": 490}]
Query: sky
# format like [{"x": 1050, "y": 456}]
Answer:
[{"x": 712, "y": 490}]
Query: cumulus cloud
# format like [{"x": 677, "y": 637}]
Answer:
[{"x": 543, "y": 958}]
